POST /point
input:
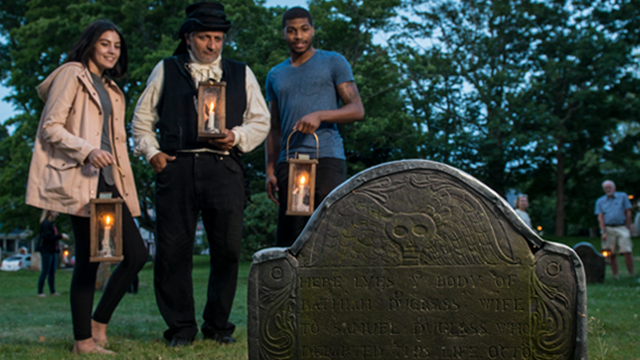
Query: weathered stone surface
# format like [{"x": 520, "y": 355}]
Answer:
[
  {"x": 594, "y": 263},
  {"x": 417, "y": 260}
]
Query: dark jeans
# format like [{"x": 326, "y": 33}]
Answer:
[
  {"x": 195, "y": 184},
  {"x": 330, "y": 173},
  {"x": 83, "y": 282},
  {"x": 49, "y": 264}
]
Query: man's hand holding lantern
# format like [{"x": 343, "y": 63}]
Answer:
[
  {"x": 225, "y": 143},
  {"x": 309, "y": 123}
]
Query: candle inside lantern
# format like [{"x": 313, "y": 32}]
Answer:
[
  {"x": 301, "y": 194},
  {"x": 106, "y": 246},
  {"x": 211, "y": 126}
]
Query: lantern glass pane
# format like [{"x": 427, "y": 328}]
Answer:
[
  {"x": 106, "y": 220},
  {"x": 301, "y": 189},
  {"x": 211, "y": 109}
]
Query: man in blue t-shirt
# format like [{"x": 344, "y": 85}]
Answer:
[
  {"x": 614, "y": 218},
  {"x": 304, "y": 94}
]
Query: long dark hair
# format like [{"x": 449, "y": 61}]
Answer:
[{"x": 83, "y": 48}]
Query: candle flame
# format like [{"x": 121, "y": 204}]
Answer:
[
  {"x": 107, "y": 220},
  {"x": 302, "y": 180},
  {"x": 212, "y": 106}
]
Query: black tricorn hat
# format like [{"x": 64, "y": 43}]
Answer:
[{"x": 202, "y": 16}]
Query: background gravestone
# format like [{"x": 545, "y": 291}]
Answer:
[
  {"x": 594, "y": 263},
  {"x": 417, "y": 260}
]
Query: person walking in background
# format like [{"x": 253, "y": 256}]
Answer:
[
  {"x": 49, "y": 250},
  {"x": 198, "y": 178},
  {"x": 81, "y": 151},
  {"x": 521, "y": 205},
  {"x": 304, "y": 94},
  {"x": 614, "y": 218}
]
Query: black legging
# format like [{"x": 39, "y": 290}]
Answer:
[{"x": 83, "y": 283}]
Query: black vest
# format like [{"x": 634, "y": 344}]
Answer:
[{"x": 178, "y": 122}]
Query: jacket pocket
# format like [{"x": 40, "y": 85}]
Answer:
[
  {"x": 62, "y": 164},
  {"x": 61, "y": 181}
]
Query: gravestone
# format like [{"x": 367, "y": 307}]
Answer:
[
  {"x": 36, "y": 261},
  {"x": 594, "y": 263},
  {"x": 416, "y": 260}
]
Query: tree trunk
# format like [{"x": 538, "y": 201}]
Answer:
[
  {"x": 560, "y": 190},
  {"x": 104, "y": 272}
]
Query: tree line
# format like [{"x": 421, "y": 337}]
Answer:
[{"x": 536, "y": 96}]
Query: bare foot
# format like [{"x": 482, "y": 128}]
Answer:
[
  {"x": 89, "y": 347},
  {"x": 99, "y": 333},
  {"x": 41, "y": 295}
]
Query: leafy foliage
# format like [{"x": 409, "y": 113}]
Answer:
[
  {"x": 259, "y": 228},
  {"x": 526, "y": 94},
  {"x": 538, "y": 96}
]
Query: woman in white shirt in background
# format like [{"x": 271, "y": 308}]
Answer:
[{"x": 521, "y": 205}]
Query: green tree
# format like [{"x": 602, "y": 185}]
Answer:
[
  {"x": 583, "y": 87},
  {"x": 526, "y": 94},
  {"x": 259, "y": 227},
  {"x": 467, "y": 63}
]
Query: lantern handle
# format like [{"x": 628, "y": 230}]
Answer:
[{"x": 317, "y": 145}]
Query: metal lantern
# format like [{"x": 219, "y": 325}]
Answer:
[
  {"x": 106, "y": 230},
  {"x": 212, "y": 110},
  {"x": 302, "y": 182}
]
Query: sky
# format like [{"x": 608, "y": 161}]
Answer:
[
  {"x": 7, "y": 111},
  {"x": 288, "y": 3}
]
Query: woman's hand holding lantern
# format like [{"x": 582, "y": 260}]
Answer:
[{"x": 99, "y": 158}]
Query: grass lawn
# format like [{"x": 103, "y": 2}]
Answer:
[{"x": 33, "y": 327}]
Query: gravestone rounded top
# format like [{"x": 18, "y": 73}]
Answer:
[
  {"x": 587, "y": 248},
  {"x": 417, "y": 257},
  {"x": 593, "y": 261}
]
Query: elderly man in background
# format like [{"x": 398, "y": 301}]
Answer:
[{"x": 614, "y": 217}]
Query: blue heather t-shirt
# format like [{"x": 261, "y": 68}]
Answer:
[
  {"x": 305, "y": 89},
  {"x": 613, "y": 208}
]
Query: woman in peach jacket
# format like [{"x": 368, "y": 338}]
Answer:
[{"x": 80, "y": 151}]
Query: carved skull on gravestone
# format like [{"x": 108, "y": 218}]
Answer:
[{"x": 412, "y": 232}]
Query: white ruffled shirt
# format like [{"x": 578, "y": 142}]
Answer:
[
  {"x": 256, "y": 118},
  {"x": 203, "y": 72}
]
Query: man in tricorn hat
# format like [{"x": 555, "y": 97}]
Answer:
[{"x": 198, "y": 178}]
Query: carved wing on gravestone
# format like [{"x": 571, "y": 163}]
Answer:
[
  {"x": 553, "y": 307},
  {"x": 278, "y": 323},
  {"x": 440, "y": 223}
]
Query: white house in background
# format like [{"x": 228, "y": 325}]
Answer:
[{"x": 10, "y": 242}]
